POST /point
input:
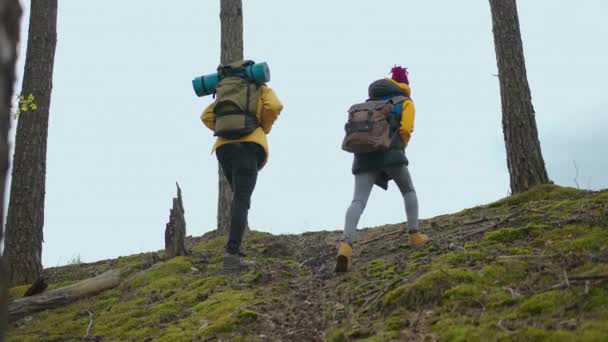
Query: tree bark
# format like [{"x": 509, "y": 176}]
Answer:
[
  {"x": 10, "y": 19},
  {"x": 524, "y": 156},
  {"x": 25, "y": 218},
  {"x": 175, "y": 231},
  {"x": 231, "y": 17}
]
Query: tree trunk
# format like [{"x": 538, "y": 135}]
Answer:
[
  {"x": 224, "y": 202},
  {"x": 10, "y": 18},
  {"x": 25, "y": 218},
  {"x": 524, "y": 157},
  {"x": 175, "y": 231},
  {"x": 231, "y": 17}
]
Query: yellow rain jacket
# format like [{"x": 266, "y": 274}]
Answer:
[
  {"x": 407, "y": 115},
  {"x": 269, "y": 108}
]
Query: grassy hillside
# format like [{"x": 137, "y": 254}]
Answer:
[{"x": 516, "y": 269}]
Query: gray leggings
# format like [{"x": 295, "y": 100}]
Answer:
[{"x": 364, "y": 183}]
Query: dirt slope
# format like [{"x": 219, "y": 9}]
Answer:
[{"x": 517, "y": 269}]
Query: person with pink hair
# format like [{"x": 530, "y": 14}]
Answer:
[{"x": 379, "y": 167}]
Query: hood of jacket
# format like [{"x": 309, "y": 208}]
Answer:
[{"x": 387, "y": 87}]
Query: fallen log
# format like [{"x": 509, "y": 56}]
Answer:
[{"x": 22, "y": 307}]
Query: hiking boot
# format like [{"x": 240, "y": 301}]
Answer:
[
  {"x": 234, "y": 264},
  {"x": 417, "y": 239},
  {"x": 345, "y": 257}
]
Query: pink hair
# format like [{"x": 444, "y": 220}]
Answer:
[{"x": 400, "y": 74}]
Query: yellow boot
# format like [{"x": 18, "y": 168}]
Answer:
[
  {"x": 345, "y": 257},
  {"x": 418, "y": 239}
]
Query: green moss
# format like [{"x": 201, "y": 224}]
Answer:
[
  {"x": 245, "y": 315},
  {"x": 536, "y": 218},
  {"x": 160, "y": 285},
  {"x": 72, "y": 319},
  {"x": 514, "y": 234},
  {"x": 468, "y": 294},
  {"x": 460, "y": 329},
  {"x": 520, "y": 250},
  {"x": 420, "y": 253},
  {"x": 597, "y": 198},
  {"x": 578, "y": 239},
  {"x": 255, "y": 236},
  {"x": 380, "y": 268},
  {"x": 504, "y": 272},
  {"x": 428, "y": 288},
  {"x": 18, "y": 291},
  {"x": 538, "y": 193},
  {"x": 597, "y": 299},
  {"x": 594, "y": 329},
  {"x": 397, "y": 320},
  {"x": 107, "y": 299},
  {"x": 500, "y": 298},
  {"x": 545, "y": 303},
  {"x": 221, "y": 311},
  {"x": 336, "y": 335},
  {"x": 213, "y": 245},
  {"x": 169, "y": 268},
  {"x": 382, "y": 337},
  {"x": 458, "y": 333},
  {"x": 209, "y": 283},
  {"x": 411, "y": 268},
  {"x": 591, "y": 268},
  {"x": 463, "y": 258},
  {"x": 541, "y": 335},
  {"x": 132, "y": 261}
]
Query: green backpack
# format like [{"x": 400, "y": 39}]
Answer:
[{"x": 236, "y": 102}]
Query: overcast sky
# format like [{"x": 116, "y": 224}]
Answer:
[{"x": 124, "y": 121}]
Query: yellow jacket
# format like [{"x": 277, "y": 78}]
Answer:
[
  {"x": 269, "y": 108},
  {"x": 407, "y": 115}
]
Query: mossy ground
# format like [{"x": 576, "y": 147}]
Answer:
[{"x": 502, "y": 272}]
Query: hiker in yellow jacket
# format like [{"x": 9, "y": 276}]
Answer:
[
  {"x": 241, "y": 156},
  {"x": 378, "y": 167}
]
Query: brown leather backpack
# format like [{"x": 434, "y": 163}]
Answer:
[{"x": 368, "y": 127}]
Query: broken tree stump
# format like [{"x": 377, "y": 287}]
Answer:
[
  {"x": 175, "y": 231},
  {"x": 38, "y": 287}
]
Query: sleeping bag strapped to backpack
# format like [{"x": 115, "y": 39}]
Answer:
[
  {"x": 236, "y": 102},
  {"x": 368, "y": 128}
]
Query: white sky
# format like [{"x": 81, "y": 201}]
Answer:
[{"x": 124, "y": 121}]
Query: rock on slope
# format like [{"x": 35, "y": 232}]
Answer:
[{"x": 529, "y": 267}]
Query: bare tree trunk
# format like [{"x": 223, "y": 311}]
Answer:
[
  {"x": 10, "y": 19},
  {"x": 224, "y": 202},
  {"x": 231, "y": 17},
  {"x": 524, "y": 156},
  {"x": 175, "y": 231},
  {"x": 25, "y": 218}
]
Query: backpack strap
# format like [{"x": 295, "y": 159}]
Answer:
[
  {"x": 399, "y": 99},
  {"x": 234, "y": 69},
  {"x": 397, "y": 102}
]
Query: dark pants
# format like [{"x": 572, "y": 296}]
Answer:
[{"x": 239, "y": 162}]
